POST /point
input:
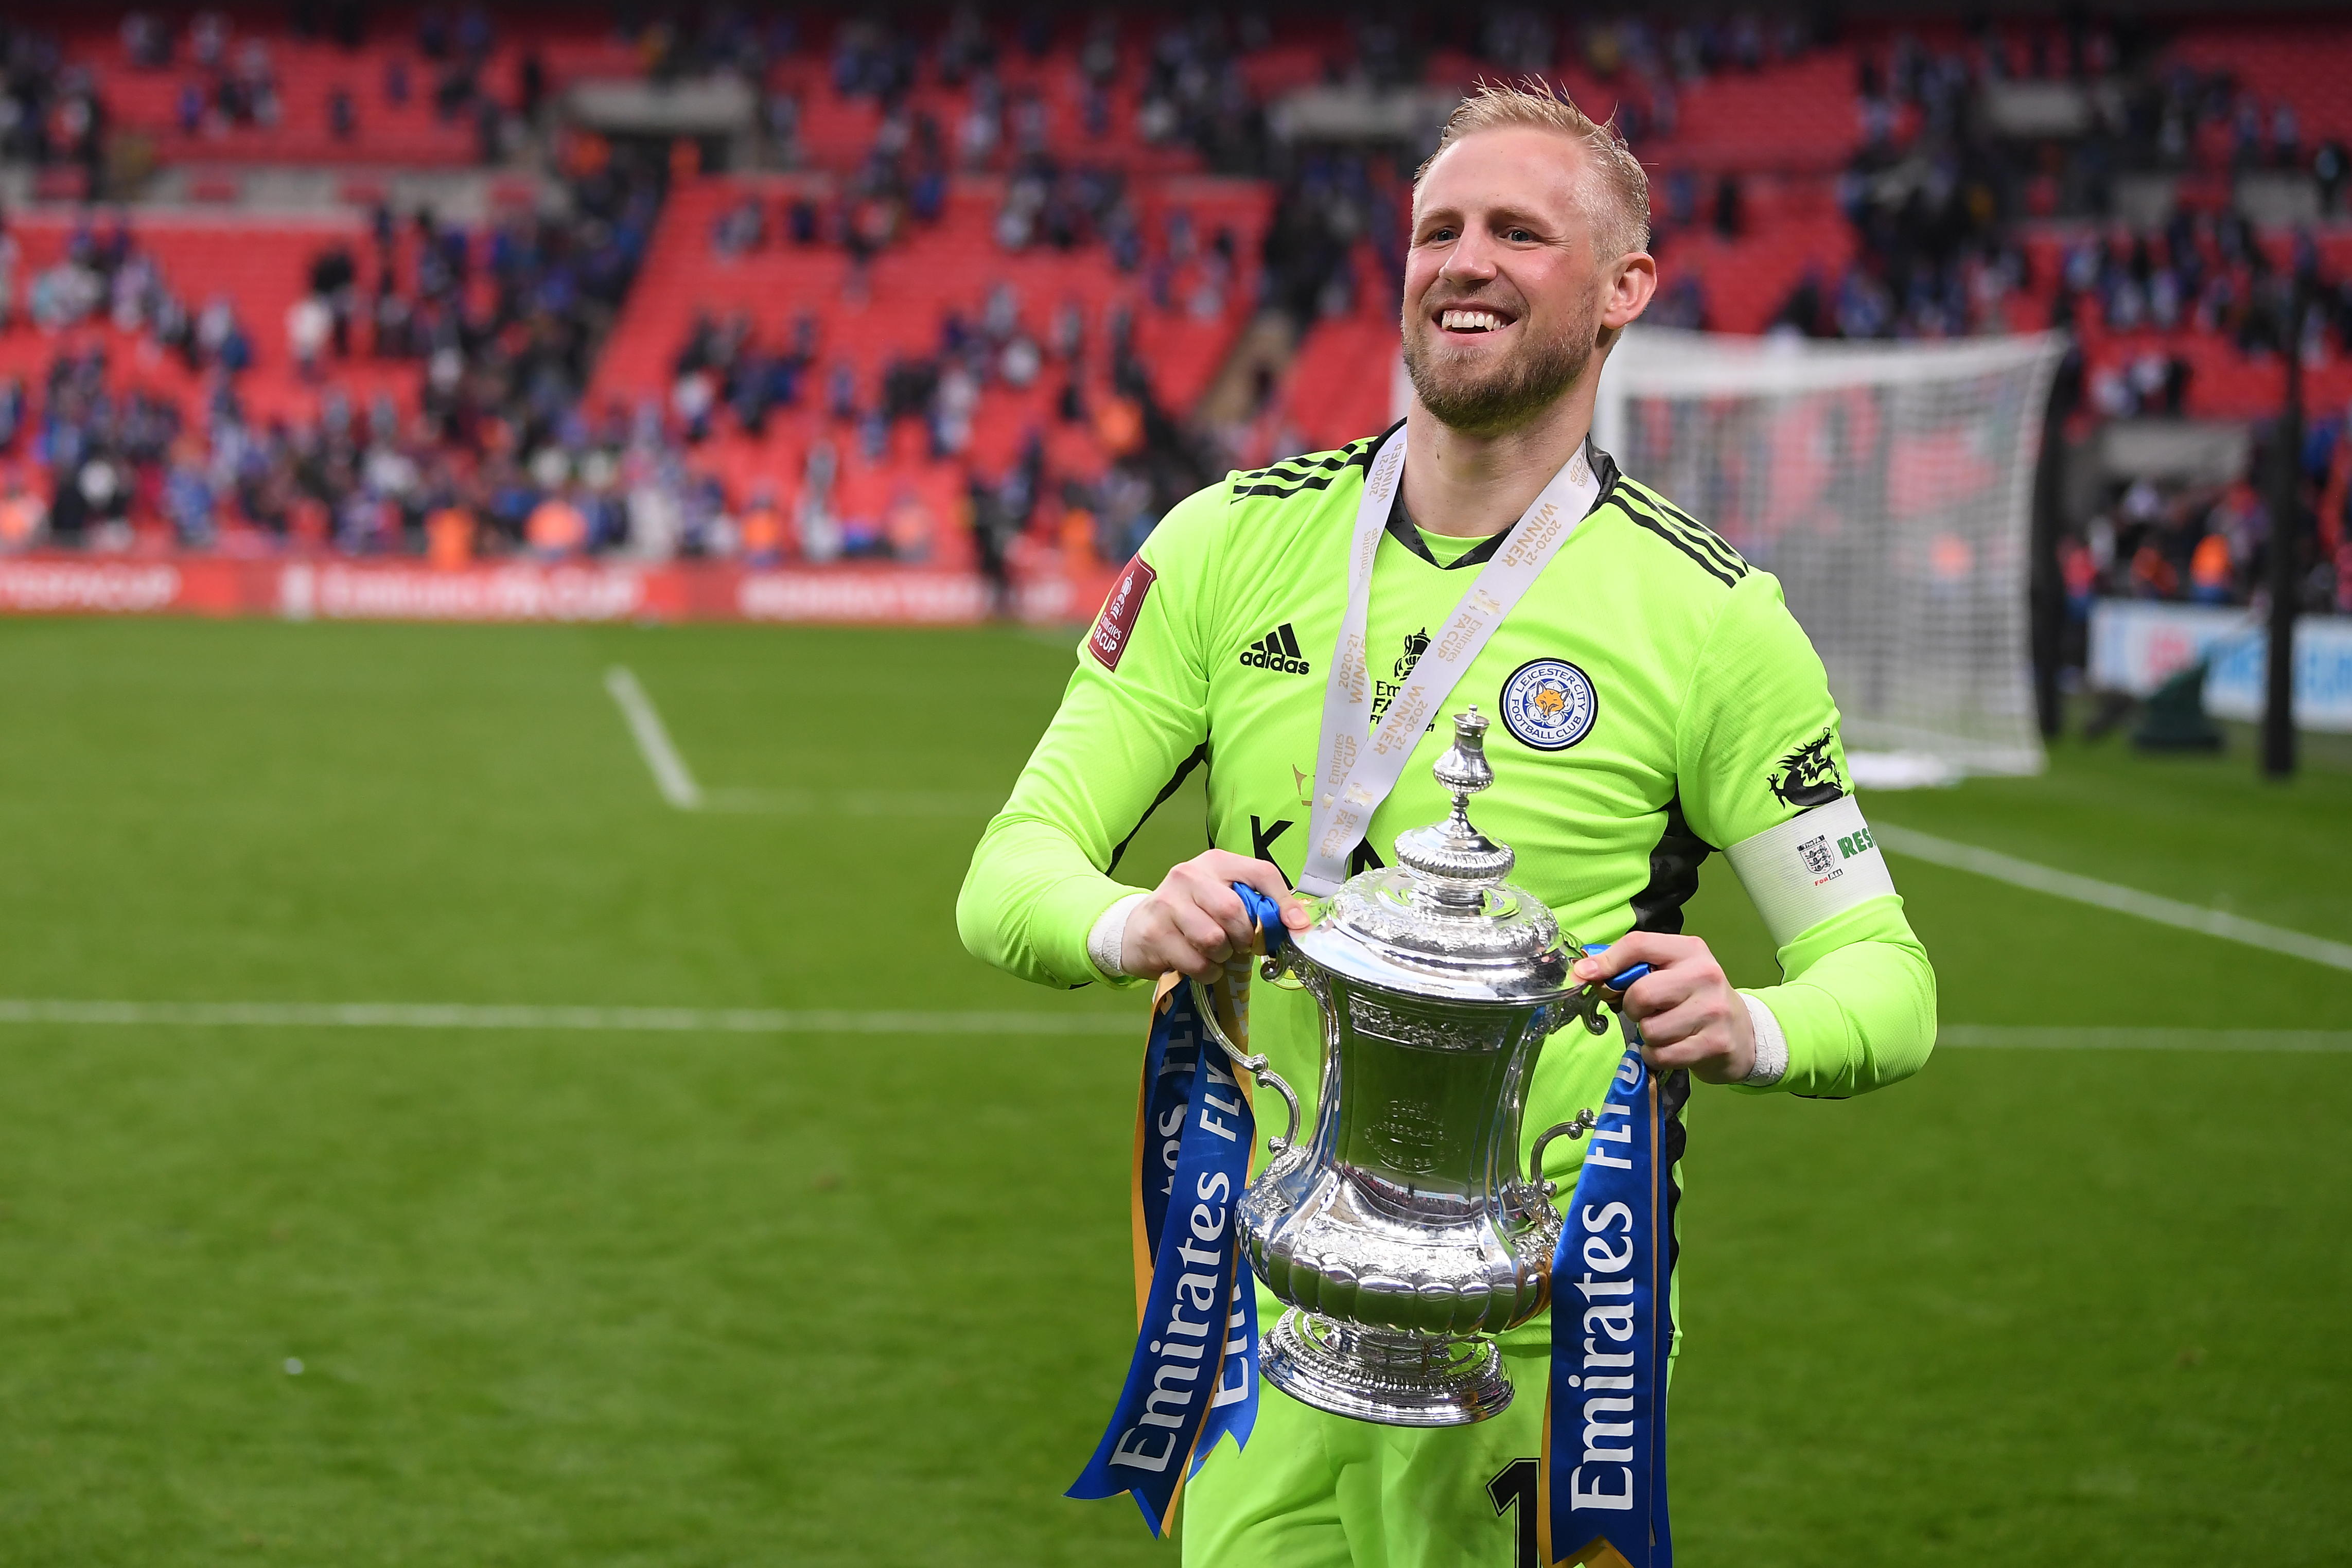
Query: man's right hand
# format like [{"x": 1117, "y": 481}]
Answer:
[{"x": 1194, "y": 921}]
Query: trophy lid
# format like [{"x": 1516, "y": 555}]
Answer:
[{"x": 1443, "y": 921}]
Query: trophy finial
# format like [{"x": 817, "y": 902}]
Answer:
[
  {"x": 1454, "y": 852},
  {"x": 1463, "y": 768}
]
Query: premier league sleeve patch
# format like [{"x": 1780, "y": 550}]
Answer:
[{"x": 1550, "y": 704}]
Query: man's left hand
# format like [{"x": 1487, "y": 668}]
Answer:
[{"x": 1688, "y": 1013}]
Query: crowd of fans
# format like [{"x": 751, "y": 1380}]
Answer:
[
  {"x": 923, "y": 407},
  {"x": 229, "y": 80},
  {"x": 507, "y": 323},
  {"x": 2209, "y": 544},
  {"x": 1935, "y": 197},
  {"x": 504, "y": 322},
  {"x": 105, "y": 275},
  {"x": 49, "y": 109}
]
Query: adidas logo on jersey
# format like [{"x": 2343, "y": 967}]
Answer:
[{"x": 1277, "y": 651}]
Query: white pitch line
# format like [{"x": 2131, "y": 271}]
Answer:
[
  {"x": 853, "y": 802},
  {"x": 1998, "y": 1037},
  {"x": 822, "y": 1021},
  {"x": 677, "y": 785},
  {"x": 475, "y": 1016},
  {"x": 2111, "y": 895},
  {"x": 669, "y": 770}
]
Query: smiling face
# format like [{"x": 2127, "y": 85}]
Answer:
[{"x": 1504, "y": 292}]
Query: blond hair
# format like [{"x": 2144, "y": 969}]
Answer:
[{"x": 1616, "y": 190}]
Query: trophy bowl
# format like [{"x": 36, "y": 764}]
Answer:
[{"x": 1402, "y": 1234}]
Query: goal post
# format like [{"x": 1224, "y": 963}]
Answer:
[{"x": 1889, "y": 488}]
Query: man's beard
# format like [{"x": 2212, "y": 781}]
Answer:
[{"x": 1504, "y": 395}]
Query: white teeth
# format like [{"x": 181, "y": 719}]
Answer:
[{"x": 1470, "y": 322}]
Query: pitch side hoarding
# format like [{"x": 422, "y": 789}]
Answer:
[{"x": 336, "y": 590}]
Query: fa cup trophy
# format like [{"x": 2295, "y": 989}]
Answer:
[{"x": 1402, "y": 1234}]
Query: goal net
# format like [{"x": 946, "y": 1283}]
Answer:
[{"x": 1889, "y": 488}]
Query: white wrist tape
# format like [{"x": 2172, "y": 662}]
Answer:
[
  {"x": 1810, "y": 867},
  {"x": 1107, "y": 942},
  {"x": 1771, "y": 1045}
]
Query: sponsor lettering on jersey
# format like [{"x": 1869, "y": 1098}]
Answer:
[
  {"x": 1276, "y": 651},
  {"x": 1116, "y": 624},
  {"x": 1416, "y": 644},
  {"x": 1550, "y": 704},
  {"x": 1806, "y": 777},
  {"x": 1824, "y": 859}
]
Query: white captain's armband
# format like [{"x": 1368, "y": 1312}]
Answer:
[{"x": 1809, "y": 868}]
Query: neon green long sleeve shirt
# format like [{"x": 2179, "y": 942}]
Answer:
[{"x": 1709, "y": 720}]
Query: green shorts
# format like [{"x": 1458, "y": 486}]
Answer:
[{"x": 1314, "y": 1491}]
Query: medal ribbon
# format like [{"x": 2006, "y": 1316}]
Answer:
[
  {"x": 1355, "y": 768},
  {"x": 1194, "y": 1374},
  {"x": 1601, "y": 1497}
]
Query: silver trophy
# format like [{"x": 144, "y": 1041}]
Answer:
[{"x": 1403, "y": 1233}]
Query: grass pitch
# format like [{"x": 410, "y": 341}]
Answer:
[{"x": 688, "y": 1299}]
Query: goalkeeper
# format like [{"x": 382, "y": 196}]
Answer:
[{"x": 1653, "y": 701}]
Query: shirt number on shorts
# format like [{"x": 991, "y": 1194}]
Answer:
[{"x": 1515, "y": 1484}]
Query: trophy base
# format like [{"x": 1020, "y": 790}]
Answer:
[{"x": 1384, "y": 1375}]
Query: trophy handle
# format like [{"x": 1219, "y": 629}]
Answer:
[
  {"x": 1576, "y": 1126},
  {"x": 1613, "y": 989},
  {"x": 1266, "y": 1077}
]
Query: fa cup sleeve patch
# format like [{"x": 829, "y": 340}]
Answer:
[
  {"x": 1816, "y": 864},
  {"x": 1107, "y": 641}
]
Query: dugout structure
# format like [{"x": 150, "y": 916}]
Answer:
[{"x": 1889, "y": 487}]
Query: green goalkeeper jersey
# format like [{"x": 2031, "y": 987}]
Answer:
[{"x": 1653, "y": 701}]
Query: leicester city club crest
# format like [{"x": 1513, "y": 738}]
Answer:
[{"x": 1548, "y": 703}]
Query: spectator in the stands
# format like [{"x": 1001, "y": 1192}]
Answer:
[
  {"x": 742, "y": 229},
  {"x": 802, "y": 218},
  {"x": 449, "y": 535},
  {"x": 817, "y": 524},
  {"x": 780, "y": 111},
  {"x": 146, "y": 41},
  {"x": 24, "y": 517},
  {"x": 187, "y": 499},
  {"x": 256, "y": 84},
  {"x": 1681, "y": 303},
  {"x": 208, "y": 40},
  {"x": 557, "y": 530},
  {"x": 2210, "y": 570},
  {"x": 335, "y": 280},
  {"x": 692, "y": 398},
  {"x": 220, "y": 338},
  {"x": 761, "y": 531},
  {"x": 309, "y": 322}
]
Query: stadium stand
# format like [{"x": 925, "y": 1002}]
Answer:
[
  {"x": 259, "y": 270},
  {"x": 1019, "y": 276}
]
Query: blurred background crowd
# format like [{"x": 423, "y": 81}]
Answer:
[{"x": 964, "y": 288}]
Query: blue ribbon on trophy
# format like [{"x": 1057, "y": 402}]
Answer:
[
  {"x": 1602, "y": 1500},
  {"x": 1194, "y": 1376}
]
